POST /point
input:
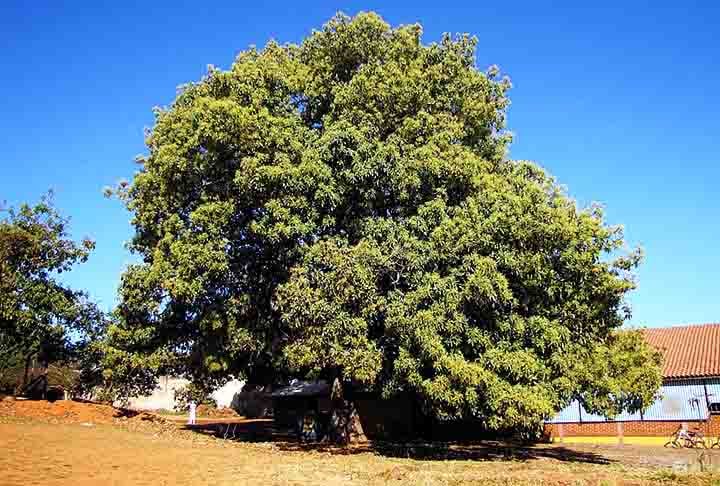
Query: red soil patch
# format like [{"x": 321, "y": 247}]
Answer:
[
  {"x": 68, "y": 411},
  {"x": 205, "y": 411}
]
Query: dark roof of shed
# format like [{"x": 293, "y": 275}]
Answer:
[{"x": 303, "y": 389}]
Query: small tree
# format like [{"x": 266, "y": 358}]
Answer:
[
  {"x": 37, "y": 311},
  {"x": 192, "y": 392}
]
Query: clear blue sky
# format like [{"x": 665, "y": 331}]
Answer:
[{"x": 620, "y": 102}]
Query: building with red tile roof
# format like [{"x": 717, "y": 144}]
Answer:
[{"x": 690, "y": 351}]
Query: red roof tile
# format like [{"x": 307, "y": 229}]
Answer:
[{"x": 690, "y": 351}]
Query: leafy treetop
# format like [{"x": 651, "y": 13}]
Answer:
[{"x": 345, "y": 208}]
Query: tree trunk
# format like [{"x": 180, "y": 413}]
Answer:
[
  {"x": 345, "y": 426},
  {"x": 44, "y": 367},
  {"x": 28, "y": 360}
]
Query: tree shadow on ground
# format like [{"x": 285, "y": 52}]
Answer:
[
  {"x": 244, "y": 430},
  {"x": 265, "y": 430},
  {"x": 125, "y": 413}
]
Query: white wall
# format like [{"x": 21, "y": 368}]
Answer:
[
  {"x": 163, "y": 397},
  {"x": 224, "y": 395}
]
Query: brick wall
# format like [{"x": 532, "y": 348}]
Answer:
[{"x": 648, "y": 428}]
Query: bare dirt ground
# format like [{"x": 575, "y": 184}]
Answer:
[{"x": 86, "y": 444}]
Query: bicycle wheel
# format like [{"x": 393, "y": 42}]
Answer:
[{"x": 674, "y": 443}]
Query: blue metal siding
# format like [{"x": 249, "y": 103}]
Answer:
[{"x": 678, "y": 401}]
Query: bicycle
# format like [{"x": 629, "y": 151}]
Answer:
[
  {"x": 688, "y": 438},
  {"x": 696, "y": 438}
]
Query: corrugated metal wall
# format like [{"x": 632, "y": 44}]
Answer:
[{"x": 680, "y": 400}]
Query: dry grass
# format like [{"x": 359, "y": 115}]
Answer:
[
  {"x": 35, "y": 453},
  {"x": 61, "y": 447}
]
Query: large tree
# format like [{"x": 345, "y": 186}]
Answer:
[
  {"x": 41, "y": 318},
  {"x": 345, "y": 208}
]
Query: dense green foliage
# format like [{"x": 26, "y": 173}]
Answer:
[
  {"x": 41, "y": 318},
  {"x": 345, "y": 208}
]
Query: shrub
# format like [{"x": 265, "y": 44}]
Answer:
[{"x": 184, "y": 395}]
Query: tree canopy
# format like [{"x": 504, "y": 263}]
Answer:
[
  {"x": 39, "y": 315},
  {"x": 345, "y": 208}
]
